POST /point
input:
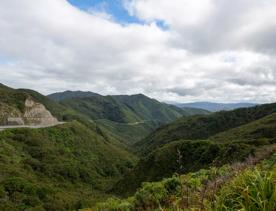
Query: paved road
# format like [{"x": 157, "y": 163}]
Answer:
[{"x": 28, "y": 126}]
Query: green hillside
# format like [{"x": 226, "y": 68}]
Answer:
[
  {"x": 150, "y": 109},
  {"x": 129, "y": 118},
  {"x": 184, "y": 156},
  {"x": 100, "y": 107},
  {"x": 202, "y": 127},
  {"x": 123, "y": 108},
  {"x": 57, "y": 168}
]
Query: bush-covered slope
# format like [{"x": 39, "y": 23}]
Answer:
[
  {"x": 241, "y": 186},
  {"x": 128, "y": 118},
  {"x": 181, "y": 157},
  {"x": 202, "y": 127},
  {"x": 127, "y": 133},
  {"x": 100, "y": 107},
  {"x": 125, "y": 108},
  {"x": 57, "y": 168},
  {"x": 150, "y": 109},
  {"x": 185, "y": 156}
]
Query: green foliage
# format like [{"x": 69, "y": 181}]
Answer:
[
  {"x": 150, "y": 197},
  {"x": 41, "y": 167}
]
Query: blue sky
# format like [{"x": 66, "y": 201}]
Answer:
[{"x": 114, "y": 8}]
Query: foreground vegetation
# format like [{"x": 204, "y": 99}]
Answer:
[{"x": 250, "y": 185}]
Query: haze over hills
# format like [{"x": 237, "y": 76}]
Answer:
[{"x": 214, "y": 107}]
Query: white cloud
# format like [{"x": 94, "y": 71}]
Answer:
[{"x": 215, "y": 50}]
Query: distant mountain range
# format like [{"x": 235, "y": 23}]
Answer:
[{"x": 214, "y": 107}]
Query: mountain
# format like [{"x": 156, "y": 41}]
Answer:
[
  {"x": 202, "y": 127},
  {"x": 214, "y": 107},
  {"x": 184, "y": 155},
  {"x": 59, "y": 96},
  {"x": 129, "y": 117},
  {"x": 143, "y": 107},
  {"x": 150, "y": 109}
]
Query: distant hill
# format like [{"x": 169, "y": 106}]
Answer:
[
  {"x": 214, "y": 107},
  {"x": 59, "y": 96},
  {"x": 122, "y": 108},
  {"x": 129, "y": 117}
]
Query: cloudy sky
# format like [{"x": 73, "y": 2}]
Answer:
[{"x": 172, "y": 50}]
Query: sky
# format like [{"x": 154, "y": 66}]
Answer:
[{"x": 177, "y": 50}]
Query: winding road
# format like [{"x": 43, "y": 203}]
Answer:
[{"x": 4, "y": 127}]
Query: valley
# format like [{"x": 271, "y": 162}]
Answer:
[{"x": 81, "y": 150}]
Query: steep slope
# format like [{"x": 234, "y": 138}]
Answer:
[
  {"x": 100, "y": 107},
  {"x": 129, "y": 118},
  {"x": 12, "y": 103},
  {"x": 59, "y": 96},
  {"x": 202, "y": 127},
  {"x": 185, "y": 155},
  {"x": 180, "y": 157},
  {"x": 58, "y": 168},
  {"x": 214, "y": 107}
]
